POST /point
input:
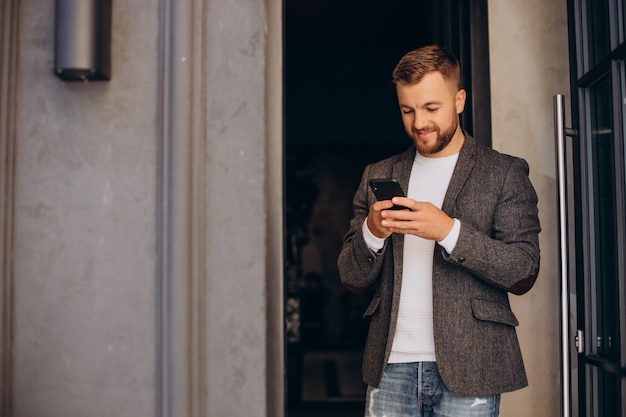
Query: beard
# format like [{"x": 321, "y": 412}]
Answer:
[{"x": 443, "y": 138}]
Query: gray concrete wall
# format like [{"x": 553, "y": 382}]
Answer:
[
  {"x": 529, "y": 64},
  {"x": 85, "y": 224},
  {"x": 119, "y": 308}
]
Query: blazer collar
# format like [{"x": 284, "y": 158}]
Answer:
[
  {"x": 402, "y": 169},
  {"x": 463, "y": 167}
]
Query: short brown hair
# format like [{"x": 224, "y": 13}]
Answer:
[{"x": 419, "y": 62}]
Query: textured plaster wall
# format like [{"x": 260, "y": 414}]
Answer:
[
  {"x": 529, "y": 64},
  {"x": 84, "y": 298},
  {"x": 237, "y": 235},
  {"x": 86, "y": 293}
]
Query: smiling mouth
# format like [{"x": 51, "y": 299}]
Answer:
[{"x": 424, "y": 133}]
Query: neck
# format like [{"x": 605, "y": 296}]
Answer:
[{"x": 456, "y": 143}]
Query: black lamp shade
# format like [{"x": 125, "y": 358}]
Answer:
[{"x": 83, "y": 40}]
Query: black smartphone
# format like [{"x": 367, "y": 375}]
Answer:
[{"x": 386, "y": 189}]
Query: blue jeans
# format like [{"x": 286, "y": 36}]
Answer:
[{"x": 416, "y": 390}]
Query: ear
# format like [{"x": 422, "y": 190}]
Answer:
[{"x": 460, "y": 101}]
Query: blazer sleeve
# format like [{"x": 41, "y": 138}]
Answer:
[
  {"x": 504, "y": 253},
  {"x": 359, "y": 266}
]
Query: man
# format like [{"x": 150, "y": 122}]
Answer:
[{"x": 442, "y": 339}]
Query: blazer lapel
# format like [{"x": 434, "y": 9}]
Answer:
[
  {"x": 463, "y": 167},
  {"x": 401, "y": 171}
]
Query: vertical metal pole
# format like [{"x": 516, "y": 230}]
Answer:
[{"x": 560, "y": 131}]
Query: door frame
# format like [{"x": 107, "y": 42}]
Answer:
[{"x": 469, "y": 40}]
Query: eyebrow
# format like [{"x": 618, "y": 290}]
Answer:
[{"x": 430, "y": 103}]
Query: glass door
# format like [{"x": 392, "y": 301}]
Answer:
[{"x": 597, "y": 273}]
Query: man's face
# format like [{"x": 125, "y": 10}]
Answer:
[{"x": 430, "y": 113}]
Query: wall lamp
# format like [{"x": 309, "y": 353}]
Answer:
[{"x": 82, "y": 50}]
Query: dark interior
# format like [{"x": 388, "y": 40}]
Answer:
[{"x": 340, "y": 114}]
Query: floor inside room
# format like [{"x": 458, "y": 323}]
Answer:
[{"x": 331, "y": 385}]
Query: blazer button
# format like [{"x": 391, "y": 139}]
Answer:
[
  {"x": 461, "y": 259},
  {"x": 370, "y": 259}
]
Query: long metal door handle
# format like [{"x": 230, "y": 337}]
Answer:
[{"x": 560, "y": 132}]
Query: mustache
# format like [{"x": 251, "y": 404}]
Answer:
[{"x": 426, "y": 130}]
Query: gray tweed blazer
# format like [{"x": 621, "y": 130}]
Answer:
[{"x": 497, "y": 252}]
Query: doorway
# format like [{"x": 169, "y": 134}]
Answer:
[{"x": 341, "y": 114}]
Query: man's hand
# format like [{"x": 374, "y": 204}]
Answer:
[
  {"x": 374, "y": 219},
  {"x": 423, "y": 219}
]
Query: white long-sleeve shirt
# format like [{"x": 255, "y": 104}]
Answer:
[{"x": 414, "y": 340}]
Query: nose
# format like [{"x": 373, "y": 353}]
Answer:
[{"x": 419, "y": 121}]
